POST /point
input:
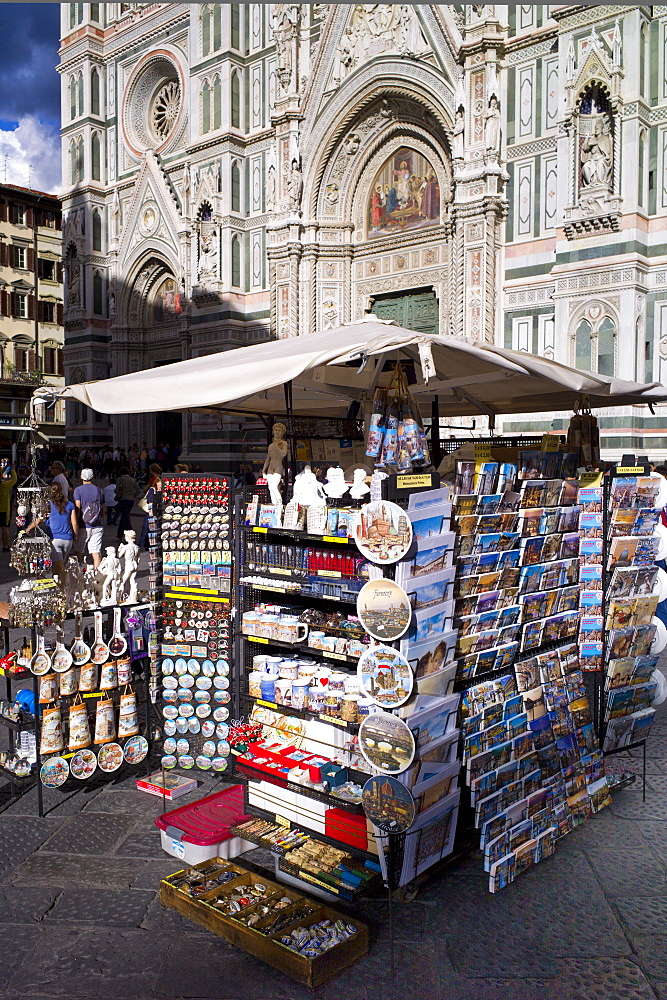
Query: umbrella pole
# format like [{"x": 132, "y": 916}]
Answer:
[
  {"x": 436, "y": 455},
  {"x": 290, "y": 472}
]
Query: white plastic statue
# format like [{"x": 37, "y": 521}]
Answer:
[
  {"x": 274, "y": 462},
  {"x": 360, "y": 487},
  {"x": 335, "y": 485},
  {"x": 74, "y": 585},
  {"x": 112, "y": 569},
  {"x": 307, "y": 490},
  {"x": 129, "y": 551},
  {"x": 273, "y": 479}
]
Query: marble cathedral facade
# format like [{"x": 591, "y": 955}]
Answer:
[{"x": 233, "y": 172}]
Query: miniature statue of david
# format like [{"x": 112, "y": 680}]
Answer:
[{"x": 129, "y": 551}]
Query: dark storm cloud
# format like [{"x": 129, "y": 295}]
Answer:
[{"x": 29, "y": 84}]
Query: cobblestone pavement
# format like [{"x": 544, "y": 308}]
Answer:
[{"x": 80, "y": 917}]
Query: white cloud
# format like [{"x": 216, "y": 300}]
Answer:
[{"x": 33, "y": 156}]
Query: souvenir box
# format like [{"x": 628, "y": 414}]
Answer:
[{"x": 267, "y": 946}]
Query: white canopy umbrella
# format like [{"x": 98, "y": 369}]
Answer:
[{"x": 330, "y": 369}]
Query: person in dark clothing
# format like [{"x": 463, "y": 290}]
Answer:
[{"x": 126, "y": 493}]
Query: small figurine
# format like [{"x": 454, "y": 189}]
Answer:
[
  {"x": 360, "y": 487},
  {"x": 273, "y": 479},
  {"x": 335, "y": 485},
  {"x": 112, "y": 569},
  {"x": 74, "y": 585},
  {"x": 307, "y": 490},
  {"x": 129, "y": 550}
]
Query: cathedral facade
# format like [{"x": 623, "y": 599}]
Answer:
[{"x": 234, "y": 172}]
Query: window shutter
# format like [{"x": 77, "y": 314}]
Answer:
[
  {"x": 13, "y": 303},
  {"x": 31, "y": 307},
  {"x": 3, "y": 211},
  {"x": 3, "y": 255},
  {"x": 59, "y": 310},
  {"x": 32, "y": 360},
  {"x": 40, "y": 311},
  {"x": 59, "y": 273},
  {"x": 29, "y": 217},
  {"x": 4, "y": 303},
  {"x": 31, "y": 259}
]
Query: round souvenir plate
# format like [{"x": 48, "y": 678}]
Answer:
[
  {"x": 187, "y": 681},
  {"x": 194, "y": 725},
  {"x": 219, "y": 764},
  {"x": 170, "y": 711},
  {"x": 169, "y": 745},
  {"x": 136, "y": 749},
  {"x": 660, "y": 531},
  {"x": 222, "y": 730},
  {"x": 203, "y": 762},
  {"x": 383, "y": 532},
  {"x": 186, "y": 711},
  {"x": 83, "y": 764},
  {"x": 208, "y": 728},
  {"x": 204, "y": 683},
  {"x": 660, "y": 638},
  {"x": 181, "y": 667},
  {"x": 169, "y": 683},
  {"x": 186, "y": 761},
  {"x": 169, "y": 728},
  {"x": 208, "y": 748},
  {"x": 203, "y": 711},
  {"x": 388, "y": 804},
  {"x": 223, "y": 748},
  {"x": 170, "y": 696},
  {"x": 110, "y": 757},
  {"x": 202, "y": 697},
  {"x": 660, "y": 586},
  {"x": 384, "y": 609},
  {"x": 184, "y": 694},
  {"x": 661, "y": 499},
  {"x": 168, "y": 666},
  {"x": 221, "y": 714},
  {"x": 222, "y": 697},
  {"x": 385, "y": 676},
  {"x": 207, "y": 668},
  {"x": 194, "y": 667},
  {"x": 386, "y": 743},
  {"x": 168, "y": 762},
  {"x": 221, "y": 683},
  {"x": 182, "y": 746},
  {"x": 182, "y": 725},
  {"x": 54, "y": 772},
  {"x": 222, "y": 667}
]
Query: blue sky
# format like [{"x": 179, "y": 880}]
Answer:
[{"x": 30, "y": 95}]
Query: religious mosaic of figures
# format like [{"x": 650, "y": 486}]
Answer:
[{"x": 405, "y": 195}]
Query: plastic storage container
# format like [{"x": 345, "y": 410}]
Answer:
[{"x": 200, "y": 830}]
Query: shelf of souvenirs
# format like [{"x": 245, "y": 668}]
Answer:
[
  {"x": 69, "y": 616},
  {"x": 297, "y": 534},
  {"x": 20, "y": 674},
  {"x": 26, "y": 723},
  {"x": 244, "y": 768},
  {"x": 279, "y": 585},
  {"x": 303, "y": 713},
  {"x": 303, "y": 647},
  {"x": 16, "y": 778}
]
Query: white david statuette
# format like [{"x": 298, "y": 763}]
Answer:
[
  {"x": 112, "y": 570},
  {"x": 307, "y": 490},
  {"x": 274, "y": 462},
  {"x": 129, "y": 551}
]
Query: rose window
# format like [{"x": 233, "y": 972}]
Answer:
[{"x": 166, "y": 106}]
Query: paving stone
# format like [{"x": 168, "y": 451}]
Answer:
[
  {"x": 410, "y": 920},
  {"x": 17, "y": 942},
  {"x": 89, "y": 834},
  {"x": 56, "y": 803},
  {"x": 20, "y": 836},
  {"x": 258, "y": 856},
  {"x": 61, "y": 870},
  {"x": 599, "y": 979},
  {"x": 142, "y": 841},
  {"x": 604, "y": 830},
  {"x": 163, "y": 918},
  {"x": 515, "y": 956},
  {"x": 107, "y": 907},
  {"x": 92, "y": 963},
  {"x": 130, "y": 802},
  {"x": 152, "y": 871},
  {"x": 628, "y": 804},
  {"x": 626, "y": 873},
  {"x": 24, "y": 906},
  {"x": 651, "y": 954},
  {"x": 642, "y": 914}
]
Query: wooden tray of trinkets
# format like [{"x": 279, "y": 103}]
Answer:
[{"x": 209, "y": 892}]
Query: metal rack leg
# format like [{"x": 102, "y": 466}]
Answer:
[{"x": 644, "y": 772}]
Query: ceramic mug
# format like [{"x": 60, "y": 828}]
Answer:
[
  {"x": 300, "y": 692},
  {"x": 272, "y": 665},
  {"x": 250, "y": 623},
  {"x": 356, "y": 648},
  {"x": 283, "y": 692},
  {"x": 267, "y": 626},
  {"x": 254, "y": 684},
  {"x": 315, "y": 639},
  {"x": 328, "y": 644},
  {"x": 268, "y": 687},
  {"x": 289, "y": 669},
  {"x": 290, "y": 629}
]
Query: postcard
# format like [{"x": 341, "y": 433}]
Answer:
[
  {"x": 590, "y": 525},
  {"x": 590, "y": 498},
  {"x": 590, "y": 655}
]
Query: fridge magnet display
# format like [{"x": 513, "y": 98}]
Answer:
[
  {"x": 385, "y": 676},
  {"x": 388, "y": 804},
  {"x": 383, "y": 532},
  {"x": 386, "y": 743},
  {"x": 54, "y": 772},
  {"x": 83, "y": 764},
  {"x": 136, "y": 749},
  {"x": 384, "y": 609},
  {"x": 110, "y": 757}
]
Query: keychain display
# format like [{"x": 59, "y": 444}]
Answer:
[
  {"x": 52, "y": 731},
  {"x": 79, "y": 726},
  {"x": 36, "y": 604},
  {"x": 31, "y": 554},
  {"x": 105, "y": 724}
]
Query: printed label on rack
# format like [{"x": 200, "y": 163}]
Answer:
[
  {"x": 333, "y": 656},
  {"x": 260, "y": 531},
  {"x": 331, "y": 718},
  {"x": 44, "y": 584},
  {"x": 257, "y": 638},
  {"x": 590, "y": 479},
  {"x": 316, "y": 881},
  {"x": 66, "y": 756},
  {"x": 278, "y": 571},
  {"x": 550, "y": 442},
  {"x": 194, "y": 590},
  {"x": 283, "y": 821},
  {"x": 412, "y": 482},
  {"x": 265, "y": 704},
  {"x": 278, "y": 590},
  {"x": 333, "y": 538},
  {"x": 95, "y": 694},
  {"x": 482, "y": 451},
  {"x": 207, "y": 600},
  {"x": 333, "y": 573},
  {"x": 630, "y": 470}
]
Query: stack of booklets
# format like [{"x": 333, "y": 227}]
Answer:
[{"x": 529, "y": 746}]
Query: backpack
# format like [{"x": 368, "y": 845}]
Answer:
[{"x": 91, "y": 510}]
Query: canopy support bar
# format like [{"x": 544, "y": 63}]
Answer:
[{"x": 478, "y": 404}]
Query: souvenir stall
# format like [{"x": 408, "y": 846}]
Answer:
[{"x": 406, "y": 650}]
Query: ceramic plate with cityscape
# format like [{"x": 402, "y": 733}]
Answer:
[
  {"x": 383, "y": 532},
  {"x": 385, "y": 676},
  {"x": 388, "y": 804},
  {"x": 386, "y": 743},
  {"x": 384, "y": 609}
]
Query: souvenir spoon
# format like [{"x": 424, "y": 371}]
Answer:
[
  {"x": 80, "y": 651},
  {"x": 100, "y": 652},
  {"x": 62, "y": 658},
  {"x": 117, "y": 642},
  {"x": 41, "y": 661}
]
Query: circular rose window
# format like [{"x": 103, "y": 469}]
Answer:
[{"x": 153, "y": 103}]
